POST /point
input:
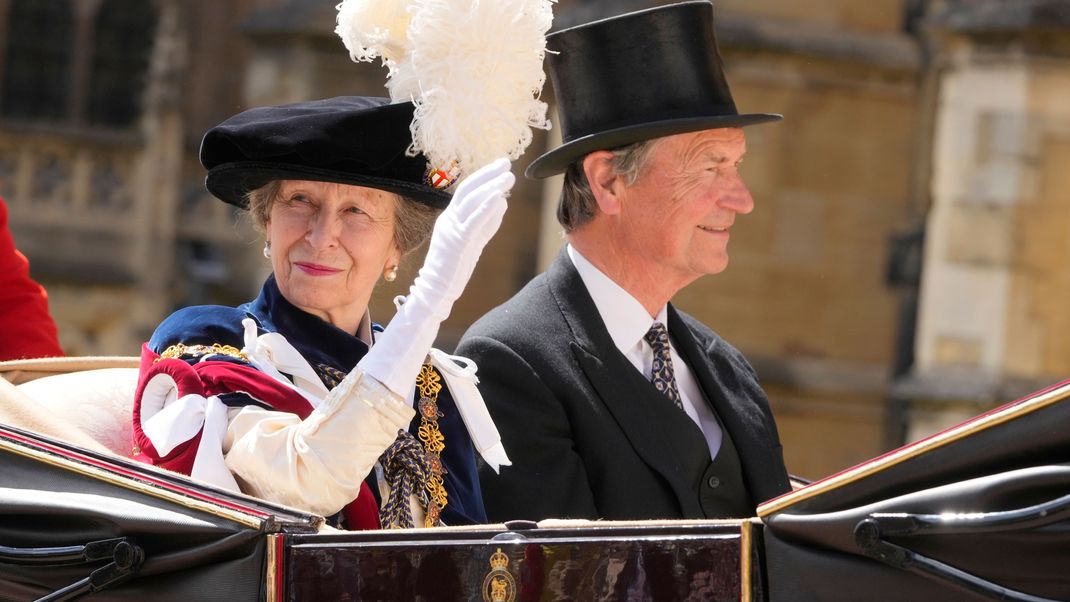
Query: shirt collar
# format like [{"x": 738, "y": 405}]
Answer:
[
  {"x": 317, "y": 340},
  {"x": 625, "y": 317}
]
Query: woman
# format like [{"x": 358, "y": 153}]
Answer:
[{"x": 295, "y": 396}]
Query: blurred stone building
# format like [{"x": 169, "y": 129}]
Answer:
[
  {"x": 101, "y": 109},
  {"x": 904, "y": 268}
]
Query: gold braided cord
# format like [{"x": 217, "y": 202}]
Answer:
[
  {"x": 429, "y": 383},
  {"x": 180, "y": 350}
]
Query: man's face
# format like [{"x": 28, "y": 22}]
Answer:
[{"x": 676, "y": 216}]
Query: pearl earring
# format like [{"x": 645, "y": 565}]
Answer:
[
  {"x": 267, "y": 249},
  {"x": 391, "y": 274}
]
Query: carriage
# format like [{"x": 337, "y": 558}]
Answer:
[{"x": 978, "y": 511}]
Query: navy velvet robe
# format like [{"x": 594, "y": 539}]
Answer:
[{"x": 330, "y": 351}]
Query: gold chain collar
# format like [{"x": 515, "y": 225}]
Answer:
[
  {"x": 429, "y": 383},
  {"x": 179, "y": 351}
]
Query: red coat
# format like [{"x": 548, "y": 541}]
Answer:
[{"x": 26, "y": 328}]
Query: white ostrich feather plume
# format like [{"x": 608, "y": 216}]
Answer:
[
  {"x": 374, "y": 28},
  {"x": 473, "y": 68}
]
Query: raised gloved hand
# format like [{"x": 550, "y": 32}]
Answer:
[
  {"x": 460, "y": 234},
  {"x": 328, "y": 455}
]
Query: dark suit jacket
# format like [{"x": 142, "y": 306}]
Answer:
[{"x": 588, "y": 435}]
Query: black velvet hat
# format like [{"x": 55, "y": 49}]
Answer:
[
  {"x": 637, "y": 76},
  {"x": 348, "y": 139}
]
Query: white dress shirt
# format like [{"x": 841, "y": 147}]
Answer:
[{"x": 627, "y": 322}]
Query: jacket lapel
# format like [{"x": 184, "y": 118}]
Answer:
[
  {"x": 725, "y": 394},
  {"x": 644, "y": 415}
]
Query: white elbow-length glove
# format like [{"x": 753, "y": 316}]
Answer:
[
  {"x": 319, "y": 463},
  {"x": 460, "y": 234}
]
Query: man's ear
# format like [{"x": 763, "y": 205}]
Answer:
[{"x": 605, "y": 184}]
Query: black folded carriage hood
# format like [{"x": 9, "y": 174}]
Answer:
[
  {"x": 73, "y": 522},
  {"x": 979, "y": 511}
]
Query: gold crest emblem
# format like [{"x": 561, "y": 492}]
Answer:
[
  {"x": 499, "y": 585},
  {"x": 442, "y": 177}
]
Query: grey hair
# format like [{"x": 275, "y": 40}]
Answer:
[
  {"x": 413, "y": 223},
  {"x": 413, "y": 220},
  {"x": 577, "y": 206}
]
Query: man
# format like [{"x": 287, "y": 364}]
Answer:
[{"x": 604, "y": 413}]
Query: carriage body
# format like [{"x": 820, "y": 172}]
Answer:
[{"x": 979, "y": 511}]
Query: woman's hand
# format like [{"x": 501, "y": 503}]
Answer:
[
  {"x": 460, "y": 234},
  {"x": 323, "y": 459}
]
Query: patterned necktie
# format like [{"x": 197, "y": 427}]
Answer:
[{"x": 662, "y": 373}]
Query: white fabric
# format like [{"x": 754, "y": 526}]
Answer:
[
  {"x": 460, "y": 234},
  {"x": 318, "y": 463},
  {"x": 273, "y": 355},
  {"x": 96, "y": 403},
  {"x": 627, "y": 321},
  {"x": 460, "y": 375},
  {"x": 168, "y": 420}
]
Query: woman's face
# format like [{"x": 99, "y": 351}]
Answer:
[{"x": 329, "y": 245}]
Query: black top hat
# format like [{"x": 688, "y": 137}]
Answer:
[
  {"x": 638, "y": 76},
  {"x": 348, "y": 139}
]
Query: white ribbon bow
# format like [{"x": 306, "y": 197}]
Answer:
[
  {"x": 273, "y": 355},
  {"x": 460, "y": 375},
  {"x": 180, "y": 420}
]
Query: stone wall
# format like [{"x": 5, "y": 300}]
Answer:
[
  {"x": 996, "y": 272},
  {"x": 873, "y": 16},
  {"x": 957, "y": 121}
]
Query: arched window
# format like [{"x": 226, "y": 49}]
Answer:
[
  {"x": 38, "y": 58},
  {"x": 124, "y": 35},
  {"x": 75, "y": 62}
]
